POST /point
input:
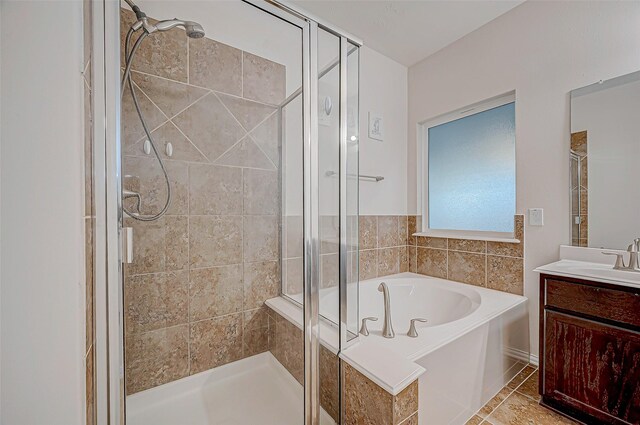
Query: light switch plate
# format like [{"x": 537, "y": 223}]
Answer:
[{"x": 536, "y": 217}]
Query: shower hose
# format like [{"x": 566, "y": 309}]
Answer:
[{"x": 126, "y": 79}]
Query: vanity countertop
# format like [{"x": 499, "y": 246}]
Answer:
[{"x": 591, "y": 271}]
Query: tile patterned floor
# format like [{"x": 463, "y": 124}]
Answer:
[{"x": 517, "y": 404}]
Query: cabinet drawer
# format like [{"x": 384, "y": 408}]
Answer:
[{"x": 610, "y": 304}]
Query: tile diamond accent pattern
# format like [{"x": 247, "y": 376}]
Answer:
[
  {"x": 266, "y": 136},
  {"x": 248, "y": 113},
  {"x": 210, "y": 126},
  {"x": 246, "y": 154},
  {"x": 195, "y": 294},
  {"x": 168, "y": 95}
]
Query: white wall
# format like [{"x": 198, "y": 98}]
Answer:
[
  {"x": 543, "y": 50},
  {"x": 383, "y": 90},
  {"x": 42, "y": 249},
  {"x": 610, "y": 117}
]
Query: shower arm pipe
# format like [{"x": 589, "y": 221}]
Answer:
[
  {"x": 139, "y": 13},
  {"x": 321, "y": 74}
]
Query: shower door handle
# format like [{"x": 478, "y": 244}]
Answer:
[{"x": 127, "y": 245}]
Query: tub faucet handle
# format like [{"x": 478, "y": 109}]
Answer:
[
  {"x": 363, "y": 329},
  {"x": 413, "y": 333}
]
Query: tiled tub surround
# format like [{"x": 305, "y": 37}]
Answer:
[
  {"x": 287, "y": 346},
  {"x": 387, "y": 246},
  {"x": 364, "y": 401},
  {"x": 194, "y": 294}
]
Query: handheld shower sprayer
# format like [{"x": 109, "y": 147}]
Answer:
[{"x": 193, "y": 30}]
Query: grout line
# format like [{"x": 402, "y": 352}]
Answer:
[
  {"x": 486, "y": 269},
  {"x": 404, "y": 421},
  {"x": 446, "y": 260},
  {"x": 187, "y": 323},
  {"x": 138, "y": 88},
  {"x": 228, "y": 150},
  {"x": 188, "y": 71},
  {"x": 236, "y": 119},
  {"x": 190, "y": 141},
  {"x": 262, "y": 150},
  {"x": 189, "y": 264},
  {"x": 208, "y": 91},
  {"x": 509, "y": 395},
  {"x": 242, "y": 255},
  {"x": 486, "y": 418},
  {"x": 377, "y": 243},
  {"x": 242, "y": 74},
  {"x": 201, "y": 87},
  {"x": 169, "y": 160}
]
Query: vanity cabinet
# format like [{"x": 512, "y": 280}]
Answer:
[{"x": 590, "y": 350}]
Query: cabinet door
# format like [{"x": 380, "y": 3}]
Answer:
[{"x": 592, "y": 368}]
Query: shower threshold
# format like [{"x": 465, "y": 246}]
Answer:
[{"x": 255, "y": 390}]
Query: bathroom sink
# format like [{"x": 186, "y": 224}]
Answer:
[{"x": 595, "y": 271}]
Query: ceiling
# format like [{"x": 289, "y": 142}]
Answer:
[{"x": 408, "y": 31}]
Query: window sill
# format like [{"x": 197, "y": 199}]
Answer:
[{"x": 454, "y": 235}]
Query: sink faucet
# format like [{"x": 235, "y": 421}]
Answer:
[
  {"x": 634, "y": 258},
  {"x": 387, "y": 328}
]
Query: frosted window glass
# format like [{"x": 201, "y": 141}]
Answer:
[{"x": 472, "y": 172}]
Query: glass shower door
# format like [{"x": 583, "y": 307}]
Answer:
[
  {"x": 233, "y": 194},
  {"x": 200, "y": 344}
]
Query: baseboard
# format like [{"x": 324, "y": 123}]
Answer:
[{"x": 521, "y": 355}]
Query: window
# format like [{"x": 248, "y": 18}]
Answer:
[{"x": 468, "y": 171}]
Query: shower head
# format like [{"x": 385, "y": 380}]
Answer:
[{"x": 193, "y": 29}]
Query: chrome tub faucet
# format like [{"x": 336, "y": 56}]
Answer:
[{"x": 387, "y": 328}]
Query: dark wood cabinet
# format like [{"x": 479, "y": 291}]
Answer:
[{"x": 590, "y": 350}]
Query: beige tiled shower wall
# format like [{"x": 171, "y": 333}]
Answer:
[
  {"x": 387, "y": 246},
  {"x": 89, "y": 218},
  {"x": 195, "y": 292}
]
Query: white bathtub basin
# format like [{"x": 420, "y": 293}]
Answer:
[{"x": 437, "y": 302}]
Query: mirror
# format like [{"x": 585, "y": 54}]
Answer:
[{"x": 604, "y": 163}]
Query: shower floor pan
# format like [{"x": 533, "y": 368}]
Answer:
[{"x": 255, "y": 390}]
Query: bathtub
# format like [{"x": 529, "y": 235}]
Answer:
[{"x": 474, "y": 341}]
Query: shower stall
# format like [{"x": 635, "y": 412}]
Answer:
[{"x": 224, "y": 178}]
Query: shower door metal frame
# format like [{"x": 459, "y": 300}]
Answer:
[
  {"x": 109, "y": 311},
  {"x": 311, "y": 244}
]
